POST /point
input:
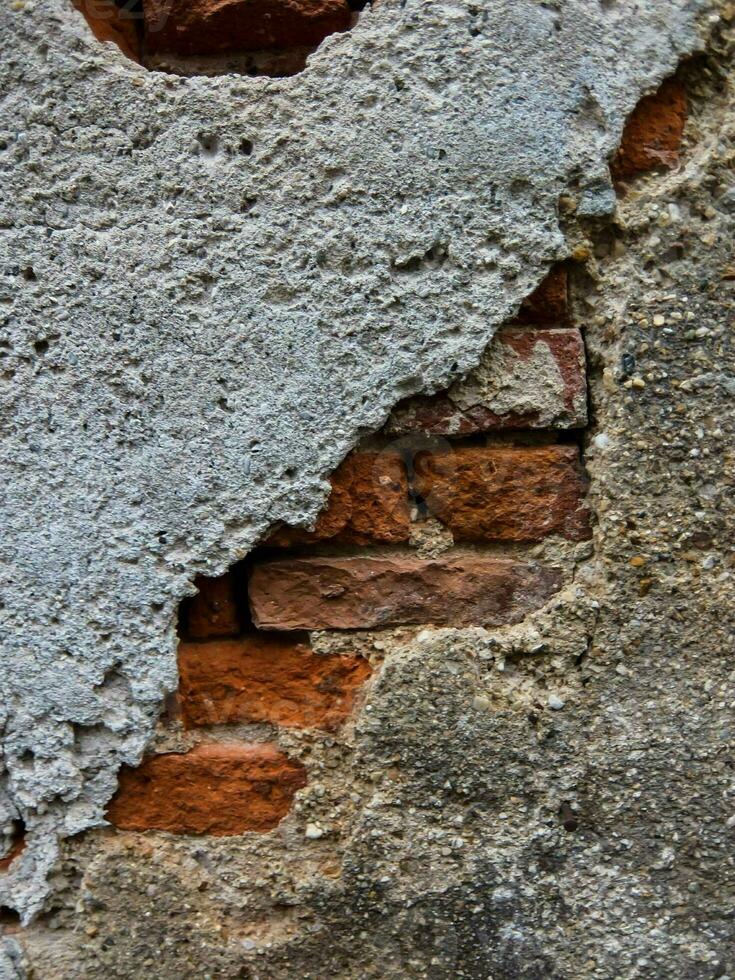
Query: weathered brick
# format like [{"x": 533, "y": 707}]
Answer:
[
  {"x": 212, "y": 611},
  {"x": 354, "y": 593},
  {"x": 528, "y": 378},
  {"x": 506, "y": 493},
  {"x": 653, "y": 132},
  {"x": 16, "y": 849},
  {"x": 109, "y": 22},
  {"x": 549, "y": 302},
  {"x": 216, "y": 789},
  {"x": 267, "y": 678},
  {"x": 207, "y": 27},
  {"x": 368, "y": 505}
]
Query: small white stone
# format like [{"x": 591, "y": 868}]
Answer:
[
  {"x": 555, "y": 702},
  {"x": 601, "y": 441},
  {"x": 313, "y": 831}
]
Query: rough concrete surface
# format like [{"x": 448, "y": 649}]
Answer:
[{"x": 195, "y": 336}]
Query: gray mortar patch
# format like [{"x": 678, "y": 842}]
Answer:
[{"x": 194, "y": 338}]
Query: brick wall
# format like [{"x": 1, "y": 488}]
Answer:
[
  {"x": 492, "y": 466},
  {"x": 465, "y": 510}
]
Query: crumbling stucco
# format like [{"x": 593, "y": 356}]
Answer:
[{"x": 195, "y": 336}]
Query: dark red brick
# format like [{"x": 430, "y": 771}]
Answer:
[
  {"x": 528, "y": 378},
  {"x": 549, "y": 302},
  {"x": 212, "y": 611},
  {"x": 210, "y": 27},
  {"x": 369, "y": 592}
]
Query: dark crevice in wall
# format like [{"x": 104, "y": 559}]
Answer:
[
  {"x": 273, "y": 38},
  {"x": 8, "y": 916}
]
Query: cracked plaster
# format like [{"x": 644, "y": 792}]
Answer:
[{"x": 195, "y": 337}]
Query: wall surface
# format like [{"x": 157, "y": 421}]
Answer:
[{"x": 215, "y": 288}]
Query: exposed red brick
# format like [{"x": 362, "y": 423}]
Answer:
[
  {"x": 207, "y": 27},
  {"x": 368, "y": 505},
  {"x": 549, "y": 302},
  {"x": 267, "y": 678},
  {"x": 222, "y": 790},
  {"x": 354, "y": 593},
  {"x": 109, "y": 22},
  {"x": 16, "y": 848},
  {"x": 506, "y": 493},
  {"x": 653, "y": 132},
  {"x": 528, "y": 378},
  {"x": 212, "y": 611}
]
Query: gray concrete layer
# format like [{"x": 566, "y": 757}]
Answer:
[{"x": 194, "y": 335}]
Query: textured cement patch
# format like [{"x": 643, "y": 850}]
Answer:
[{"x": 194, "y": 336}]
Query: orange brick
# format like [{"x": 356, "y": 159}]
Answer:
[
  {"x": 506, "y": 493},
  {"x": 222, "y": 790},
  {"x": 267, "y": 678},
  {"x": 16, "y": 849},
  {"x": 653, "y": 133},
  {"x": 108, "y": 22},
  {"x": 368, "y": 505}
]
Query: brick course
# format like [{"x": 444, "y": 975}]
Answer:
[
  {"x": 364, "y": 593},
  {"x": 267, "y": 678},
  {"x": 506, "y": 493},
  {"x": 234, "y": 671},
  {"x": 216, "y": 789},
  {"x": 368, "y": 505}
]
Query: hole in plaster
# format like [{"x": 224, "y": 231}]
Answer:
[
  {"x": 212, "y": 631},
  {"x": 433, "y": 258},
  {"x": 567, "y": 816},
  {"x": 201, "y": 37},
  {"x": 208, "y": 144}
]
